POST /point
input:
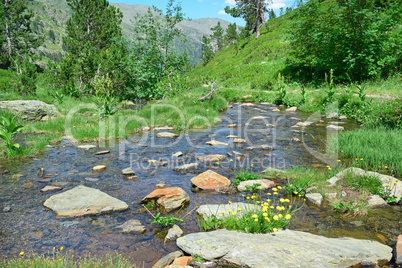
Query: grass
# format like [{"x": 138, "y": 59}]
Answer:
[
  {"x": 366, "y": 183},
  {"x": 375, "y": 149},
  {"x": 245, "y": 176},
  {"x": 58, "y": 259},
  {"x": 265, "y": 215}
]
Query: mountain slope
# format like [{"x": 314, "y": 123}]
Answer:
[{"x": 53, "y": 15}]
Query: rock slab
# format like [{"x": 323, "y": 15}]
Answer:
[
  {"x": 31, "y": 110},
  {"x": 211, "y": 158},
  {"x": 283, "y": 249},
  {"x": 210, "y": 180},
  {"x": 173, "y": 233},
  {"x": 315, "y": 198},
  {"x": 168, "y": 198},
  {"x": 264, "y": 184},
  {"x": 81, "y": 201},
  {"x": 132, "y": 227},
  {"x": 208, "y": 210},
  {"x": 398, "y": 250},
  {"x": 168, "y": 259}
]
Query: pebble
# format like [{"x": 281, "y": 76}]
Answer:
[
  {"x": 99, "y": 168},
  {"x": 7, "y": 209}
]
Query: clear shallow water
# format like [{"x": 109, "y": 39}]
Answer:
[{"x": 29, "y": 227}]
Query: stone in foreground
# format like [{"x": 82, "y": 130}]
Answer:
[
  {"x": 132, "y": 227},
  {"x": 211, "y": 158},
  {"x": 81, "y": 201},
  {"x": 169, "y": 198},
  {"x": 128, "y": 172},
  {"x": 264, "y": 184},
  {"x": 166, "y": 135},
  {"x": 210, "y": 180},
  {"x": 283, "y": 249},
  {"x": 376, "y": 201}
]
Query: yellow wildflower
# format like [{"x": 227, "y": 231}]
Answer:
[
  {"x": 276, "y": 217},
  {"x": 290, "y": 185},
  {"x": 231, "y": 160},
  {"x": 361, "y": 159},
  {"x": 279, "y": 187},
  {"x": 287, "y": 200},
  {"x": 268, "y": 193},
  {"x": 239, "y": 209},
  {"x": 272, "y": 207},
  {"x": 230, "y": 202},
  {"x": 265, "y": 209},
  {"x": 288, "y": 216},
  {"x": 275, "y": 230},
  {"x": 234, "y": 213},
  {"x": 255, "y": 219},
  {"x": 248, "y": 197},
  {"x": 223, "y": 212},
  {"x": 280, "y": 216},
  {"x": 282, "y": 200},
  {"x": 61, "y": 248},
  {"x": 275, "y": 193},
  {"x": 265, "y": 214},
  {"x": 274, "y": 189},
  {"x": 255, "y": 216},
  {"x": 395, "y": 182},
  {"x": 296, "y": 192},
  {"x": 22, "y": 253},
  {"x": 267, "y": 219},
  {"x": 229, "y": 211}
]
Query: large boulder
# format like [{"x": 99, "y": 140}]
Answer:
[
  {"x": 283, "y": 249},
  {"x": 210, "y": 180},
  {"x": 81, "y": 201},
  {"x": 30, "y": 109},
  {"x": 168, "y": 198}
]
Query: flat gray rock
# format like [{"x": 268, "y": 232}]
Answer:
[
  {"x": 86, "y": 147},
  {"x": 173, "y": 233},
  {"x": 335, "y": 128},
  {"x": 186, "y": 167},
  {"x": 283, "y": 249},
  {"x": 376, "y": 201},
  {"x": 33, "y": 110},
  {"x": 128, "y": 172},
  {"x": 81, "y": 201},
  {"x": 132, "y": 227}
]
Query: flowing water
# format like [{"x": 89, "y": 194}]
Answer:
[{"x": 30, "y": 227}]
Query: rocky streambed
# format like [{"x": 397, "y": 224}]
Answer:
[{"x": 89, "y": 199}]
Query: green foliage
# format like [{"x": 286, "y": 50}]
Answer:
[
  {"x": 58, "y": 97},
  {"x": 355, "y": 38},
  {"x": 388, "y": 193},
  {"x": 197, "y": 258},
  {"x": 298, "y": 187},
  {"x": 8, "y": 129},
  {"x": 165, "y": 221},
  {"x": 366, "y": 183},
  {"x": 252, "y": 11},
  {"x": 104, "y": 92},
  {"x": 253, "y": 188},
  {"x": 231, "y": 35},
  {"x": 217, "y": 36},
  {"x": 94, "y": 44},
  {"x": 60, "y": 259},
  {"x": 16, "y": 37},
  {"x": 207, "y": 53},
  {"x": 265, "y": 216},
  {"x": 245, "y": 176},
  {"x": 26, "y": 74},
  {"x": 282, "y": 90},
  {"x": 360, "y": 147},
  {"x": 345, "y": 208},
  {"x": 330, "y": 92},
  {"x": 153, "y": 56},
  {"x": 7, "y": 80}
]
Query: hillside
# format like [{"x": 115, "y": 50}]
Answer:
[
  {"x": 251, "y": 61},
  {"x": 53, "y": 15}
]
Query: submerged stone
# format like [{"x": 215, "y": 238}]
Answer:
[
  {"x": 81, "y": 201},
  {"x": 210, "y": 180}
]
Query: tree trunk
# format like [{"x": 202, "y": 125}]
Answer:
[{"x": 8, "y": 33}]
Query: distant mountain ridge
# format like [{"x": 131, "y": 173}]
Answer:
[{"x": 51, "y": 15}]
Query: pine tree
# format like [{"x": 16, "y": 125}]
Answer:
[
  {"x": 207, "y": 52},
  {"x": 252, "y": 11},
  {"x": 16, "y": 37},
  {"x": 217, "y": 36},
  {"x": 90, "y": 33},
  {"x": 231, "y": 35}
]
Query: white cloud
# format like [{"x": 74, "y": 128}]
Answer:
[
  {"x": 277, "y": 5},
  {"x": 230, "y": 2},
  {"x": 222, "y": 12}
]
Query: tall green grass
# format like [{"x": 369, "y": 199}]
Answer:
[{"x": 377, "y": 149}]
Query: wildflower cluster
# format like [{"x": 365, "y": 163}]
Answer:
[{"x": 259, "y": 215}]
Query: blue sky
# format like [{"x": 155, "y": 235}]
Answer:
[{"x": 195, "y": 9}]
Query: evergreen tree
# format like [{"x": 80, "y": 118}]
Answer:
[
  {"x": 231, "y": 35},
  {"x": 16, "y": 37},
  {"x": 207, "y": 52},
  {"x": 252, "y": 11},
  {"x": 271, "y": 14},
  {"x": 217, "y": 36},
  {"x": 90, "y": 33}
]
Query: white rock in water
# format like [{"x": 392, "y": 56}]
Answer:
[{"x": 81, "y": 201}]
